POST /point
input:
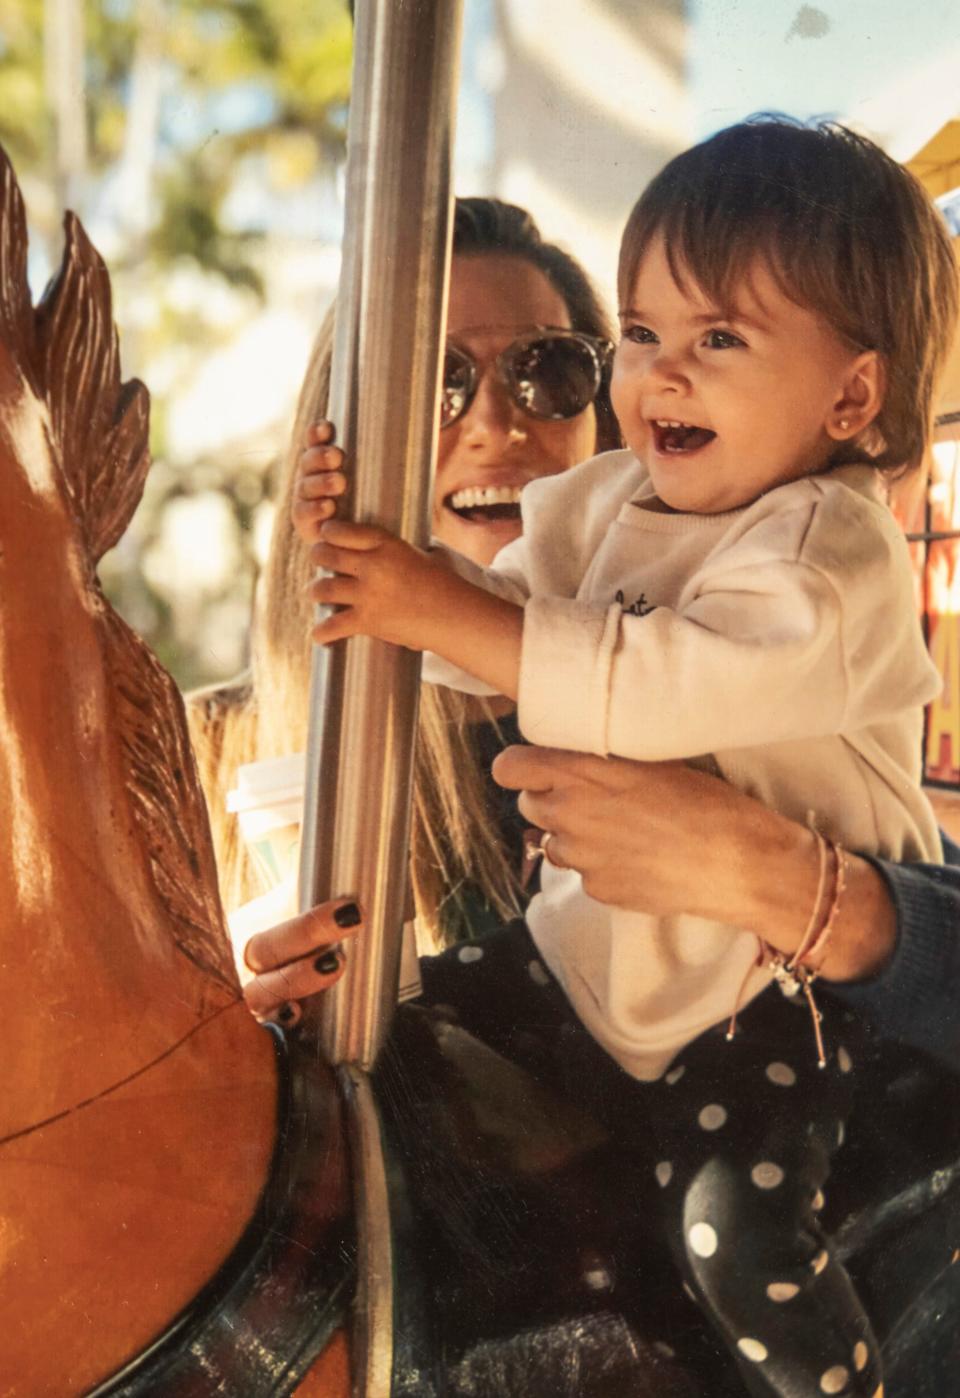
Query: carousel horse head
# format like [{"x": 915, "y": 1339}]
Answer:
[{"x": 140, "y": 1102}]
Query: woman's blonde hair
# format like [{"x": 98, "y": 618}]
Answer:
[{"x": 455, "y": 841}]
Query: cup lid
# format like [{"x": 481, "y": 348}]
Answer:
[{"x": 272, "y": 780}]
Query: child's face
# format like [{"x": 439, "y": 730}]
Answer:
[{"x": 758, "y": 395}]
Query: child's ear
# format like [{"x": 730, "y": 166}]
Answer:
[{"x": 861, "y": 396}]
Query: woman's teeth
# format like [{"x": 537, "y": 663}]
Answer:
[{"x": 476, "y": 497}]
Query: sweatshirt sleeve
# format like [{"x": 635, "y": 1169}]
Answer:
[
  {"x": 916, "y": 997},
  {"x": 761, "y": 648},
  {"x": 507, "y": 579}
]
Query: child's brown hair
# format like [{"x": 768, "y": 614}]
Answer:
[{"x": 847, "y": 233}]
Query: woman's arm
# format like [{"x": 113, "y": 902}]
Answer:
[{"x": 663, "y": 838}]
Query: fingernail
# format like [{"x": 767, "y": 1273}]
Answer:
[
  {"x": 286, "y": 1014},
  {"x": 347, "y": 916},
  {"x": 327, "y": 963}
]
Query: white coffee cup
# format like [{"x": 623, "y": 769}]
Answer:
[{"x": 268, "y": 802}]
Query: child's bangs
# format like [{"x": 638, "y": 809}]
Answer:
[{"x": 713, "y": 253}]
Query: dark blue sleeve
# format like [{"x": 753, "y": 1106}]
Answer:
[{"x": 916, "y": 997}]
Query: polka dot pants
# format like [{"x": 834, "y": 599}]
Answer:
[
  {"x": 738, "y": 1136},
  {"x": 744, "y": 1133}
]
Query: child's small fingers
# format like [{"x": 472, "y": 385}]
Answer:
[
  {"x": 309, "y": 515},
  {"x": 336, "y": 591},
  {"x": 343, "y": 562},
  {"x": 321, "y": 483},
  {"x": 321, "y": 431},
  {"x": 338, "y": 627},
  {"x": 316, "y": 460},
  {"x": 361, "y": 537}
]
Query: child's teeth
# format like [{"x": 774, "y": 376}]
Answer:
[{"x": 476, "y": 495}]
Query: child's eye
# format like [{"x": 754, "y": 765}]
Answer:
[
  {"x": 639, "y": 335},
  {"x": 723, "y": 339}
]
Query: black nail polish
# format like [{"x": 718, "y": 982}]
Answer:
[
  {"x": 286, "y": 1014},
  {"x": 327, "y": 963},
  {"x": 347, "y": 916}
]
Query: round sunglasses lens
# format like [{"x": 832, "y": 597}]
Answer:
[
  {"x": 455, "y": 390},
  {"x": 555, "y": 378}
]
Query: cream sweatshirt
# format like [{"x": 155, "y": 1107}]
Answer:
[{"x": 779, "y": 641}]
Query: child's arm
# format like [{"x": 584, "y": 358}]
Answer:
[{"x": 389, "y": 589}]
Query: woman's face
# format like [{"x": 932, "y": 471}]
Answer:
[{"x": 494, "y": 299}]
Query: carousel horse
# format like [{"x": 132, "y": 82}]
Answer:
[
  {"x": 161, "y": 1158},
  {"x": 176, "y": 1215}
]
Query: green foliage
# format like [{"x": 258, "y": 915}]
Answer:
[{"x": 228, "y": 94}]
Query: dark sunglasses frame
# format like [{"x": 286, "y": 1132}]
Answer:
[{"x": 600, "y": 351}]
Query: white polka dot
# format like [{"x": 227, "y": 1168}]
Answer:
[
  {"x": 835, "y": 1380},
  {"x": 841, "y": 1133},
  {"x": 844, "y": 1060},
  {"x": 782, "y": 1291},
  {"x": 468, "y": 954},
  {"x": 767, "y": 1175},
  {"x": 782, "y": 1074},
  {"x": 753, "y": 1349},
  {"x": 818, "y": 1201},
  {"x": 703, "y": 1239},
  {"x": 663, "y": 1348},
  {"x": 675, "y": 1074},
  {"x": 860, "y": 1356},
  {"x": 819, "y": 1262},
  {"x": 598, "y": 1278},
  {"x": 664, "y": 1173},
  {"x": 712, "y": 1117},
  {"x": 537, "y": 973}
]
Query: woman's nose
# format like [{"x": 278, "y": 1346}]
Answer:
[{"x": 493, "y": 412}]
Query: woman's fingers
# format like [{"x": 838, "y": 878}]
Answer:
[
  {"x": 271, "y": 991},
  {"x": 298, "y": 958},
  {"x": 328, "y": 922}
]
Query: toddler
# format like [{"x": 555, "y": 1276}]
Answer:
[{"x": 731, "y": 589}]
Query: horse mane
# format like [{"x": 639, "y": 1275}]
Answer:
[{"x": 97, "y": 427}]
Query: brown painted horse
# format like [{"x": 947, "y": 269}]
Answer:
[{"x": 147, "y": 1126}]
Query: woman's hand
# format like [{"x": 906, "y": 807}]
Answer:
[
  {"x": 296, "y": 959},
  {"x": 320, "y": 480},
  {"x": 663, "y": 838}
]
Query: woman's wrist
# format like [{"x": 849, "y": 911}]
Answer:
[{"x": 782, "y": 861}]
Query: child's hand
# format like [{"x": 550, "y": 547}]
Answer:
[
  {"x": 320, "y": 478},
  {"x": 387, "y": 588}
]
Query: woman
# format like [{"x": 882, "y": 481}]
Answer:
[{"x": 507, "y": 286}]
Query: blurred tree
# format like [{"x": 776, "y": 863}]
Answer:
[{"x": 179, "y": 130}]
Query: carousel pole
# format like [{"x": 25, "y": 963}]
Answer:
[{"x": 384, "y": 401}]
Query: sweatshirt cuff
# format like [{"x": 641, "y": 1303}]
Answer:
[
  {"x": 905, "y": 1000},
  {"x": 565, "y": 664}
]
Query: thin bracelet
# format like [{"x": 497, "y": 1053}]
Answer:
[
  {"x": 810, "y": 937},
  {"x": 814, "y": 957}
]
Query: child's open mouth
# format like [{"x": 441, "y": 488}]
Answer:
[
  {"x": 482, "y": 504},
  {"x": 677, "y": 437}
]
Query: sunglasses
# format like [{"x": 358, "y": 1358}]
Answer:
[{"x": 549, "y": 374}]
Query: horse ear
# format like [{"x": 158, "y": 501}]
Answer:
[
  {"x": 99, "y": 424},
  {"x": 16, "y": 310}
]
